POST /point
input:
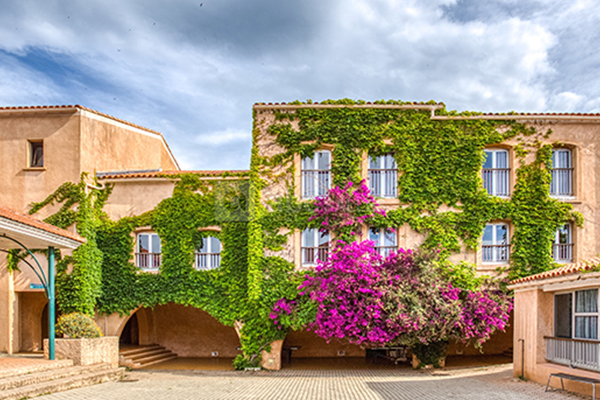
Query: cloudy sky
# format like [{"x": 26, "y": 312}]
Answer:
[{"x": 193, "y": 69}]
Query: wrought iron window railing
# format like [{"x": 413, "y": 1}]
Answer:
[
  {"x": 315, "y": 183},
  {"x": 206, "y": 261},
  {"x": 562, "y": 252},
  {"x": 562, "y": 182},
  {"x": 495, "y": 253},
  {"x": 496, "y": 181},
  {"x": 148, "y": 261},
  {"x": 383, "y": 182},
  {"x": 310, "y": 255}
]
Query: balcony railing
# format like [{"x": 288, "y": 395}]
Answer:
[
  {"x": 383, "y": 182},
  {"x": 385, "y": 251},
  {"x": 148, "y": 261},
  {"x": 315, "y": 183},
  {"x": 310, "y": 255},
  {"x": 495, "y": 253},
  {"x": 578, "y": 353},
  {"x": 206, "y": 261},
  {"x": 496, "y": 181},
  {"x": 562, "y": 182},
  {"x": 562, "y": 252}
]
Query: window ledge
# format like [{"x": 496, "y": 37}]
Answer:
[
  {"x": 570, "y": 199},
  {"x": 34, "y": 169}
]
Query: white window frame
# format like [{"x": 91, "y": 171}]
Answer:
[
  {"x": 563, "y": 252},
  {"x": 585, "y": 314},
  {"x": 33, "y": 145},
  {"x": 311, "y": 254},
  {"x": 209, "y": 259},
  {"x": 380, "y": 244},
  {"x": 496, "y": 180},
  {"x": 152, "y": 260},
  {"x": 561, "y": 185},
  {"x": 499, "y": 252},
  {"x": 316, "y": 181},
  {"x": 575, "y": 314},
  {"x": 383, "y": 180}
]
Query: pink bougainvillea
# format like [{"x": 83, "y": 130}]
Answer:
[{"x": 402, "y": 299}]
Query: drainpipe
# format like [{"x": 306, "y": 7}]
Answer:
[{"x": 522, "y": 358}]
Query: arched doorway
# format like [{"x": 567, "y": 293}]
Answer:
[{"x": 130, "y": 336}]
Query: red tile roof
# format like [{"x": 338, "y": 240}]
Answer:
[
  {"x": 12, "y": 215},
  {"x": 164, "y": 174},
  {"x": 567, "y": 269}
]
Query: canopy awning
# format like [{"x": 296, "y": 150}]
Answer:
[{"x": 33, "y": 233}]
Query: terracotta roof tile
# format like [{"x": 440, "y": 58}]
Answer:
[
  {"x": 8, "y": 213},
  {"x": 567, "y": 269},
  {"x": 163, "y": 174}
]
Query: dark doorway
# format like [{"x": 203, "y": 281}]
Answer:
[{"x": 131, "y": 332}]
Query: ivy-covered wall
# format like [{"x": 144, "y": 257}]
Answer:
[{"x": 441, "y": 196}]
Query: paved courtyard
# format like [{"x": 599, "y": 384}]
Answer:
[{"x": 488, "y": 383}]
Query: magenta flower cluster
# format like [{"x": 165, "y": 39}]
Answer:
[
  {"x": 346, "y": 207},
  {"x": 403, "y": 299}
]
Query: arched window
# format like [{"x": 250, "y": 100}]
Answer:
[
  {"x": 562, "y": 173},
  {"x": 148, "y": 255},
  {"x": 208, "y": 255},
  {"x": 315, "y": 246},
  {"x": 562, "y": 249},
  {"x": 383, "y": 176},
  {"x": 496, "y": 172},
  {"x": 495, "y": 247},
  {"x": 385, "y": 240},
  {"x": 316, "y": 174}
]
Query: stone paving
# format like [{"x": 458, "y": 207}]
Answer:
[{"x": 489, "y": 383}]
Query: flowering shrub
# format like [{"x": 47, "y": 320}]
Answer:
[
  {"x": 402, "y": 299},
  {"x": 343, "y": 210}
]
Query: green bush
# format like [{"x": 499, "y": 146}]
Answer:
[
  {"x": 430, "y": 354},
  {"x": 77, "y": 325}
]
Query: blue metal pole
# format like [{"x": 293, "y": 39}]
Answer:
[{"x": 51, "y": 303}]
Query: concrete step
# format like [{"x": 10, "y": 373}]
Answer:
[
  {"x": 140, "y": 349},
  {"x": 38, "y": 367},
  {"x": 43, "y": 376},
  {"x": 149, "y": 353},
  {"x": 85, "y": 378},
  {"x": 147, "y": 364},
  {"x": 155, "y": 358},
  {"x": 144, "y": 356}
]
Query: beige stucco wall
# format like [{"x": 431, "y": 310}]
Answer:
[
  {"x": 21, "y": 185},
  {"x": 109, "y": 145},
  {"x": 131, "y": 197}
]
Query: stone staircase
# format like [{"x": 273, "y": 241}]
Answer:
[
  {"x": 508, "y": 353},
  {"x": 143, "y": 356},
  {"x": 56, "y": 377}
]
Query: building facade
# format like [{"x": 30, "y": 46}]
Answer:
[{"x": 477, "y": 187}]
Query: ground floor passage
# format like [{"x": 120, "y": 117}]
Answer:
[{"x": 489, "y": 383}]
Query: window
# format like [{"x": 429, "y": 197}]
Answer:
[
  {"x": 383, "y": 176},
  {"x": 495, "y": 173},
  {"x": 384, "y": 239},
  {"x": 148, "y": 251},
  {"x": 316, "y": 174},
  {"x": 562, "y": 249},
  {"x": 315, "y": 246},
  {"x": 36, "y": 154},
  {"x": 208, "y": 255},
  {"x": 576, "y": 319},
  {"x": 562, "y": 173},
  {"x": 496, "y": 247}
]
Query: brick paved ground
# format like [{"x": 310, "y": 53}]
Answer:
[{"x": 492, "y": 383}]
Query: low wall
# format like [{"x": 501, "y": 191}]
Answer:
[{"x": 87, "y": 351}]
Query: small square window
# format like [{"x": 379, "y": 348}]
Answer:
[{"x": 36, "y": 154}]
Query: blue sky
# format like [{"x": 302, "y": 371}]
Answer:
[{"x": 193, "y": 69}]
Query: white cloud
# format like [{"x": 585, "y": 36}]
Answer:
[{"x": 194, "y": 72}]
